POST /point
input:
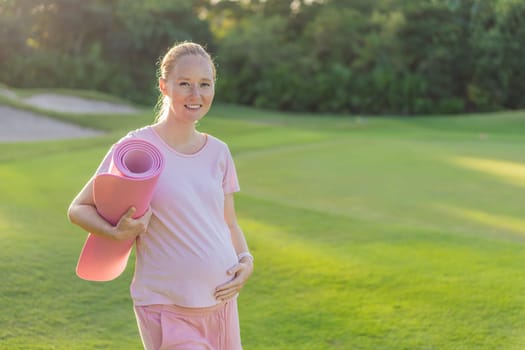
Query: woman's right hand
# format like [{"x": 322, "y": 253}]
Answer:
[{"x": 128, "y": 227}]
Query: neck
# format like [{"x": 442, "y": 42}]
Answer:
[
  {"x": 182, "y": 137},
  {"x": 178, "y": 133}
]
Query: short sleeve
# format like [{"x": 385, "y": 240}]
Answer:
[
  {"x": 106, "y": 161},
  {"x": 230, "y": 182}
]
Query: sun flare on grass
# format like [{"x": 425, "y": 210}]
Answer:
[
  {"x": 496, "y": 221},
  {"x": 508, "y": 172}
]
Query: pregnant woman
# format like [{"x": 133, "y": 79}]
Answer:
[{"x": 192, "y": 258}]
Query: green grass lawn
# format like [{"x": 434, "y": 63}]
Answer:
[{"x": 368, "y": 233}]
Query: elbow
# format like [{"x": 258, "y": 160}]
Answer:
[{"x": 71, "y": 214}]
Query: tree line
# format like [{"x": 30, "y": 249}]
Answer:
[{"x": 337, "y": 56}]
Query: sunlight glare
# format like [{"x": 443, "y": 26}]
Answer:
[
  {"x": 509, "y": 172},
  {"x": 497, "y": 221}
]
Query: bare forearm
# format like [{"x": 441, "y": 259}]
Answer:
[
  {"x": 237, "y": 236},
  {"x": 86, "y": 216},
  {"x": 238, "y": 239}
]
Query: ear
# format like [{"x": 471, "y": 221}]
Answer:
[{"x": 163, "y": 86}]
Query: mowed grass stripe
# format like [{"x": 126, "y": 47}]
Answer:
[{"x": 372, "y": 179}]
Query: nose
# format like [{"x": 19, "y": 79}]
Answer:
[{"x": 194, "y": 91}]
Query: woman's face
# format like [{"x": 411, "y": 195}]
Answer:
[{"x": 190, "y": 88}]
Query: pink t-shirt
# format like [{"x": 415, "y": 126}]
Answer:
[{"x": 187, "y": 249}]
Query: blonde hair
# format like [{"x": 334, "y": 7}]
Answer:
[{"x": 168, "y": 62}]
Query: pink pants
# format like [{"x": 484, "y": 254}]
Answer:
[{"x": 171, "y": 327}]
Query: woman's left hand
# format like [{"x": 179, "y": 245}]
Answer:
[{"x": 241, "y": 272}]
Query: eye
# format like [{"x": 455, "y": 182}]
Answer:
[
  {"x": 184, "y": 83},
  {"x": 205, "y": 85}
]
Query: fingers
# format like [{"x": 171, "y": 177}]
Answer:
[
  {"x": 230, "y": 289},
  {"x": 235, "y": 269},
  {"x": 227, "y": 295},
  {"x": 127, "y": 216},
  {"x": 147, "y": 214},
  {"x": 131, "y": 211},
  {"x": 227, "y": 291},
  {"x": 145, "y": 218},
  {"x": 129, "y": 227},
  {"x": 130, "y": 214}
]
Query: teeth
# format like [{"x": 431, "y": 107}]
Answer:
[{"x": 193, "y": 106}]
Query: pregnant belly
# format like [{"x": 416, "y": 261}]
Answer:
[{"x": 186, "y": 281}]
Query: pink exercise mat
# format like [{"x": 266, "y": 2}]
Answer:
[{"x": 133, "y": 174}]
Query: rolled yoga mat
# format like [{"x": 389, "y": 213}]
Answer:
[{"x": 133, "y": 174}]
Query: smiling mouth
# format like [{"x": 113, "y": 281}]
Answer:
[{"x": 193, "y": 107}]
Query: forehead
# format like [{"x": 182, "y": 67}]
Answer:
[{"x": 193, "y": 66}]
